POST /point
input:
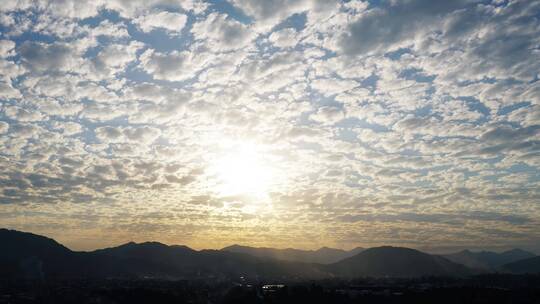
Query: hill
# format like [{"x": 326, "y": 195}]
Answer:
[
  {"x": 396, "y": 262},
  {"x": 29, "y": 255},
  {"x": 530, "y": 265}
]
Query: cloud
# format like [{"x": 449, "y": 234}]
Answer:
[
  {"x": 390, "y": 27},
  {"x": 7, "y": 48},
  {"x": 330, "y": 86},
  {"x": 269, "y": 13},
  {"x": 24, "y": 130},
  {"x": 103, "y": 112},
  {"x": 502, "y": 139},
  {"x": 8, "y": 92},
  {"x": 284, "y": 38},
  {"x": 526, "y": 116},
  {"x": 185, "y": 180},
  {"x": 141, "y": 135},
  {"x": 115, "y": 57},
  {"x": 328, "y": 115},
  {"x": 42, "y": 57},
  {"x": 504, "y": 133},
  {"x": 4, "y": 126},
  {"x": 68, "y": 128},
  {"x": 449, "y": 219},
  {"x": 221, "y": 33},
  {"x": 25, "y": 115},
  {"x": 172, "y": 22},
  {"x": 135, "y": 8},
  {"x": 173, "y": 66},
  {"x": 109, "y": 29},
  {"x": 413, "y": 123}
]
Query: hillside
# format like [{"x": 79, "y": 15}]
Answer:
[
  {"x": 530, "y": 265},
  {"x": 396, "y": 262}
]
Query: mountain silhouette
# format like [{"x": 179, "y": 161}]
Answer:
[
  {"x": 185, "y": 262},
  {"x": 27, "y": 255},
  {"x": 530, "y": 265},
  {"x": 396, "y": 262},
  {"x": 487, "y": 259},
  {"x": 24, "y": 244},
  {"x": 33, "y": 256},
  {"x": 324, "y": 255}
]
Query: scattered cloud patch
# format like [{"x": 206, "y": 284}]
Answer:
[
  {"x": 171, "y": 22},
  {"x": 379, "y": 120}
]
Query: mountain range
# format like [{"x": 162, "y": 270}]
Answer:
[
  {"x": 488, "y": 260},
  {"x": 27, "y": 255},
  {"x": 33, "y": 256}
]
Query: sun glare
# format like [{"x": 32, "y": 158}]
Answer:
[{"x": 243, "y": 170}]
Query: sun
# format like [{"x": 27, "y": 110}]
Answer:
[{"x": 243, "y": 170}]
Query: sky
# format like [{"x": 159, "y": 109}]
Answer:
[{"x": 283, "y": 123}]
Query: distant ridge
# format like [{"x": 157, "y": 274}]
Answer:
[
  {"x": 488, "y": 260},
  {"x": 324, "y": 255}
]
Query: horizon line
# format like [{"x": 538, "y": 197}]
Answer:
[{"x": 425, "y": 249}]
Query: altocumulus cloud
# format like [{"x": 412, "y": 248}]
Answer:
[{"x": 378, "y": 119}]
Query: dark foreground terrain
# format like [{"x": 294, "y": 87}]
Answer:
[{"x": 493, "y": 288}]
